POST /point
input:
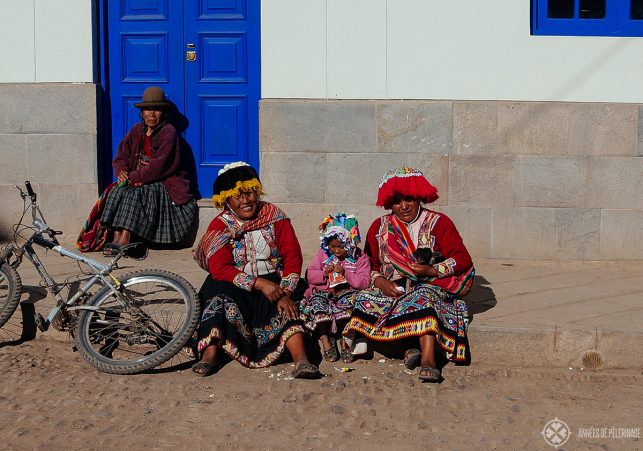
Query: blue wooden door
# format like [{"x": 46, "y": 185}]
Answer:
[{"x": 205, "y": 54}]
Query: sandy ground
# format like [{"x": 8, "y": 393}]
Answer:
[{"x": 52, "y": 399}]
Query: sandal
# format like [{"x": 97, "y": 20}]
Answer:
[
  {"x": 347, "y": 356},
  {"x": 305, "y": 370},
  {"x": 412, "y": 358},
  {"x": 110, "y": 252},
  {"x": 331, "y": 354},
  {"x": 430, "y": 374},
  {"x": 203, "y": 369}
]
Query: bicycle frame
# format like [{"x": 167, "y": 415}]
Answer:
[
  {"x": 102, "y": 272},
  {"x": 101, "y": 276}
]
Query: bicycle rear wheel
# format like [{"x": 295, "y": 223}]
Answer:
[
  {"x": 10, "y": 291},
  {"x": 148, "y": 322}
]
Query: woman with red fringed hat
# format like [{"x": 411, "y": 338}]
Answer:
[{"x": 420, "y": 271}]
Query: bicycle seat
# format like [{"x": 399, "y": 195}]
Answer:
[{"x": 137, "y": 251}]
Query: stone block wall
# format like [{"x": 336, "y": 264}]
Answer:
[
  {"x": 48, "y": 136},
  {"x": 520, "y": 179}
]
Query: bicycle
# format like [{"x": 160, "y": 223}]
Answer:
[{"x": 133, "y": 323}]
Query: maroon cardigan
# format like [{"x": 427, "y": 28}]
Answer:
[{"x": 164, "y": 165}]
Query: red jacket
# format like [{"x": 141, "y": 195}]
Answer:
[
  {"x": 164, "y": 166},
  {"x": 440, "y": 232},
  {"x": 228, "y": 262}
]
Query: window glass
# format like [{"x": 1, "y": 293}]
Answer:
[
  {"x": 560, "y": 9},
  {"x": 636, "y": 11},
  {"x": 592, "y": 9}
]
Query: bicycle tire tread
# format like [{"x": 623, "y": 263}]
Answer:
[
  {"x": 167, "y": 351},
  {"x": 13, "y": 299}
]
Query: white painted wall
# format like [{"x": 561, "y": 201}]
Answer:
[
  {"x": 45, "y": 41},
  {"x": 371, "y": 49},
  {"x": 434, "y": 49}
]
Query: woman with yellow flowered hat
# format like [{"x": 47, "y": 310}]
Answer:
[{"x": 254, "y": 261}]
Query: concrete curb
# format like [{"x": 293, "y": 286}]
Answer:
[
  {"x": 555, "y": 346},
  {"x": 532, "y": 347}
]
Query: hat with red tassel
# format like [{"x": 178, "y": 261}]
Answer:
[{"x": 406, "y": 182}]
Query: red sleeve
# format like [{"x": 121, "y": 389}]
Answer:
[
  {"x": 221, "y": 264},
  {"x": 359, "y": 277},
  {"x": 315, "y": 273},
  {"x": 449, "y": 243},
  {"x": 166, "y": 159},
  {"x": 372, "y": 247},
  {"x": 290, "y": 253}
]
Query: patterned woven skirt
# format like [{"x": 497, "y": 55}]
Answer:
[
  {"x": 426, "y": 309},
  {"x": 245, "y": 324},
  {"x": 324, "y": 307},
  {"x": 149, "y": 213}
]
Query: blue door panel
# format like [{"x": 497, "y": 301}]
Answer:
[
  {"x": 222, "y": 9},
  {"x": 218, "y": 91},
  {"x": 145, "y": 58},
  {"x": 224, "y": 57},
  {"x": 144, "y": 10},
  {"x": 224, "y": 128}
]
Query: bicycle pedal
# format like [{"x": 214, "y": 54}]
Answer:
[
  {"x": 41, "y": 322},
  {"x": 60, "y": 320}
]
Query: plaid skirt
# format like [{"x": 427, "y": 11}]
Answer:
[{"x": 149, "y": 213}]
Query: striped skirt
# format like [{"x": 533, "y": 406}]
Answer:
[
  {"x": 425, "y": 309},
  {"x": 149, "y": 213}
]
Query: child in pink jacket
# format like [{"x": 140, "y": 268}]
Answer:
[{"x": 338, "y": 271}]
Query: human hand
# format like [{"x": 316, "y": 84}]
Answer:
[
  {"x": 121, "y": 176},
  {"x": 387, "y": 287},
  {"x": 329, "y": 269},
  {"x": 339, "y": 269},
  {"x": 269, "y": 289},
  {"x": 287, "y": 307},
  {"x": 424, "y": 270}
]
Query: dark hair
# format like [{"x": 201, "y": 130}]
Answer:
[
  {"x": 228, "y": 180},
  {"x": 398, "y": 197}
]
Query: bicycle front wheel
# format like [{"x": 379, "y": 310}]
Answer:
[
  {"x": 147, "y": 322},
  {"x": 10, "y": 291}
]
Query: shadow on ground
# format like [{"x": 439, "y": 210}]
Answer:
[
  {"x": 20, "y": 327},
  {"x": 481, "y": 297}
]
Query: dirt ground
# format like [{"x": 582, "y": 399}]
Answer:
[{"x": 52, "y": 399}]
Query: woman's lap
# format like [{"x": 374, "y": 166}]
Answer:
[
  {"x": 425, "y": 310},
  {"x": 244, "y": 324},
  {"x": 148, "y": 212}
]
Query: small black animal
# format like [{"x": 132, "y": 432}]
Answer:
[{"x": 425, "y": 256}]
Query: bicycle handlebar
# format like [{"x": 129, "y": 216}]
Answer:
[
  {"x": 30, "y": 190},
  {"x": 37, "y": 218}
]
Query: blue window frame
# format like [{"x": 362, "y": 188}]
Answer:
[{"x": 587, "y": 17}]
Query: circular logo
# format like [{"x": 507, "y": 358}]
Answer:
[{"x": 556, "y": 433}]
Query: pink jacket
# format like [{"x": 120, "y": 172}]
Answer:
[{"x": 358, "y": 273}]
